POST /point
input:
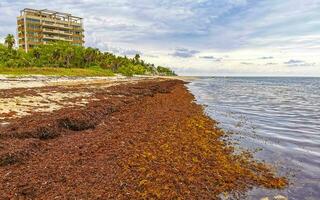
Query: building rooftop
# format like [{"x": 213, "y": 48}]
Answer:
[{"x": 50, "y": 12}]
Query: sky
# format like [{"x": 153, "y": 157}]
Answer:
[{"x": 197, "y": 37}]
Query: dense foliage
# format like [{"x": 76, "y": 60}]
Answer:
[{"x": 65, "y": 55}]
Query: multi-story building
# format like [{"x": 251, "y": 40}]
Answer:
[{"x": 44, "y": 26}]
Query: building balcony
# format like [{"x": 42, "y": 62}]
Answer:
[
  {"x": 33, "y": 30},
  {"x": 47, "y": 24},
  {"x": 33, "y": 23},
  {"x": 34, "y": 36},
  {"x": 56, "y": 38},
  {"x": 45, "y": 30}
]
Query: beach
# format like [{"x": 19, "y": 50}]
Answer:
[{"x": 120, "y": 138}]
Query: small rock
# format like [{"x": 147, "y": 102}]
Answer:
[
  {"x": 265, "y": 198},
  {"x": 280, "y": 197}
]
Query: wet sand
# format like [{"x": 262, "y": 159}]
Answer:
[{"x": 134, "y": 139}]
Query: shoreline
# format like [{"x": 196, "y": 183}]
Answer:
[{"x": 143, "y": 139}]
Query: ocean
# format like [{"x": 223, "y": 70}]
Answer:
[{"x": 278, "y": 116}]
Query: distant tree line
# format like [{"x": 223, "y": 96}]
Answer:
[{"x": 66, "y": 55}]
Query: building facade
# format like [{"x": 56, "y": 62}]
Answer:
[{"x": 44, "y": 26}]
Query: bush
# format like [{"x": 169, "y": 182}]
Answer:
[
  {"x": 165, "y": 71},
  {"x": 125, "y": 70}
]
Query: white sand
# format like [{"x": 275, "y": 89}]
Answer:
[
  {"x": 7, "y": 82},
  {"x": 44, "y": 102}
]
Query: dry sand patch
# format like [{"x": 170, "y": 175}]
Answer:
[{"x": 43, "y": 102}]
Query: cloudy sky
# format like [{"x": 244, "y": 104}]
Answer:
[{"x": 197, "y": 37}]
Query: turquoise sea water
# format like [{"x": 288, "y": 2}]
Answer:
[{"x": 279, "y": 115}]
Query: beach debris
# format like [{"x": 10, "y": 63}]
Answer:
[{"x": 280, "y": 197}]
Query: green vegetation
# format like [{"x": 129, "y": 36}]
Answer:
[
  {"x": 51, "y": 71},
  {"x": 63, "y": 58},
  {"x": 165, "y": 71}
]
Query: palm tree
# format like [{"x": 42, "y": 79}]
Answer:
[
  {"x": 136, "y": 58},
  {"x": 69, "y": 55},
  {"x": 9, "y": 41}
]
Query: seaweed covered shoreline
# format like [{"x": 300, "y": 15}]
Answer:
[{"x": 140, "y": 140}]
